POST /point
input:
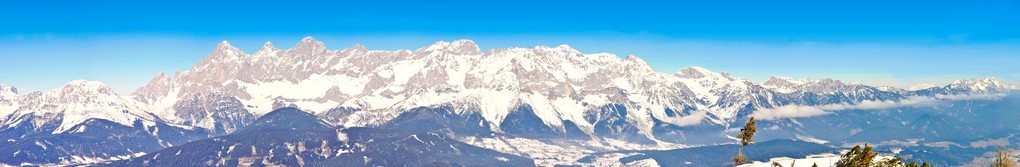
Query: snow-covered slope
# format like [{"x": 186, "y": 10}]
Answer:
[
  {"x": 559, "y": 87},
  {"x": 785, "y": 84},
  {"x": 72, "y": 104},
  {"x": 560, "y": 84},
  {"x": 8, "y": 99},
  {"x": 984, "y": 85},
  {"x": 532, "y": 92}
]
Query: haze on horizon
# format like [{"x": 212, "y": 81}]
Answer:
[{"x": 123, "y": 44}]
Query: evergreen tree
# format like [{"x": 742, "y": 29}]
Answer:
[
  {"x": 745, "y": 136},
  {"x": 747, "y": 132},
  {"x": 1003, "y": 158},
  {"x": 865, "y": 157},
  {"x": 740, "y": 159},
  {"x": 857, "y": 157}
]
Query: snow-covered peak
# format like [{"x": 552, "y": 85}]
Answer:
[
  {"x": 310, "y": 44},
  {"x": 921, "y": 86},
  {"x": 785, "y": 84},
  {"x": 988, "y": 84},
  {"x": 695, "y": 72},
  {"x": 160, "y": 77},
  {"x": 80, "y": 91},
  {"x": 226, "y": 51},
  {"x": 781, "y": 81},
  {"x": 458, "y": 47},
  {"x": 8, "y": 99},
  {"x": 567, "y": 48},
  {"x": 224, "y": 46},
  {"x": 83, "y": 87},
  {"x": 267, "y": 49},
  {"x": 829, "y": 85},
  {"x": 358, "y": 48},
  {"x": 158, "y": 85},
  {"x": 8, "y": 91},
  {"x": 76, "y": 102},
  {"x": 559, "y": 83}
]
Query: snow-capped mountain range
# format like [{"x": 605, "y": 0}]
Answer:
[
  {"x": 71, "y": 105},
  {"x": 359, "y": 87}
]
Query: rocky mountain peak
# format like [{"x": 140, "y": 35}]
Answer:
[
  {"x": 784, "y": 84},
  {"x": 458, "y": 47},
  {"x": 78, "y": 87},
  {"x": 158, "y": 85},
  {"x": 565, "y": 47},
  {"x": 160, "y": 77},
  {"x": 694, "y": 72},
  {"x": 7, "y": 90},
  {"x": 267, "y": 48},
  {"x": 781, "y": 80},
  {"x": 309, "y": 45},
  {"x": 357, "y": 48},
  {"x": 226, "y": 51},
  {"x": 980, "y": 85},
  {"x": 921, "y": 86}
]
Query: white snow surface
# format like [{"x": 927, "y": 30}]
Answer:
[
  {"x": 76, "y": 102},
  {"x": 823, "y": 160}
]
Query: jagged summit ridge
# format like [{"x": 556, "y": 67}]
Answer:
[
  {"x": 988, "y": 84},
  {"x": 560, "y": 83},
  {"x": 267, "y": 49},
  {"x": 7, "y": 90},
  {"x": 457, "y": 47},
  {"x": 73, "y": 103}
]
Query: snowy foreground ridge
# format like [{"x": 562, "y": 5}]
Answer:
[
  {"x": 822, "y": 160},
  {"x": 357, "y": 87}
]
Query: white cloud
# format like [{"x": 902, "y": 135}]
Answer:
[
  {"x": 694, "y": 118},
  {"x": 991, "y": 143},
  {"x": 799, "y": 111},
  {"x": 789, "y": 111}
]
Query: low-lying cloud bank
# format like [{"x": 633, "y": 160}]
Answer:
[
  {"x": 798, "y": 111},
  {"x": 692, "y": 119}
]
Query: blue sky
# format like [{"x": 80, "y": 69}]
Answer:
[{"x": 44, "y": 44}]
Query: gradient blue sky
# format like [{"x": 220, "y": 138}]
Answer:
[{"x": 44, "y": 44}]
